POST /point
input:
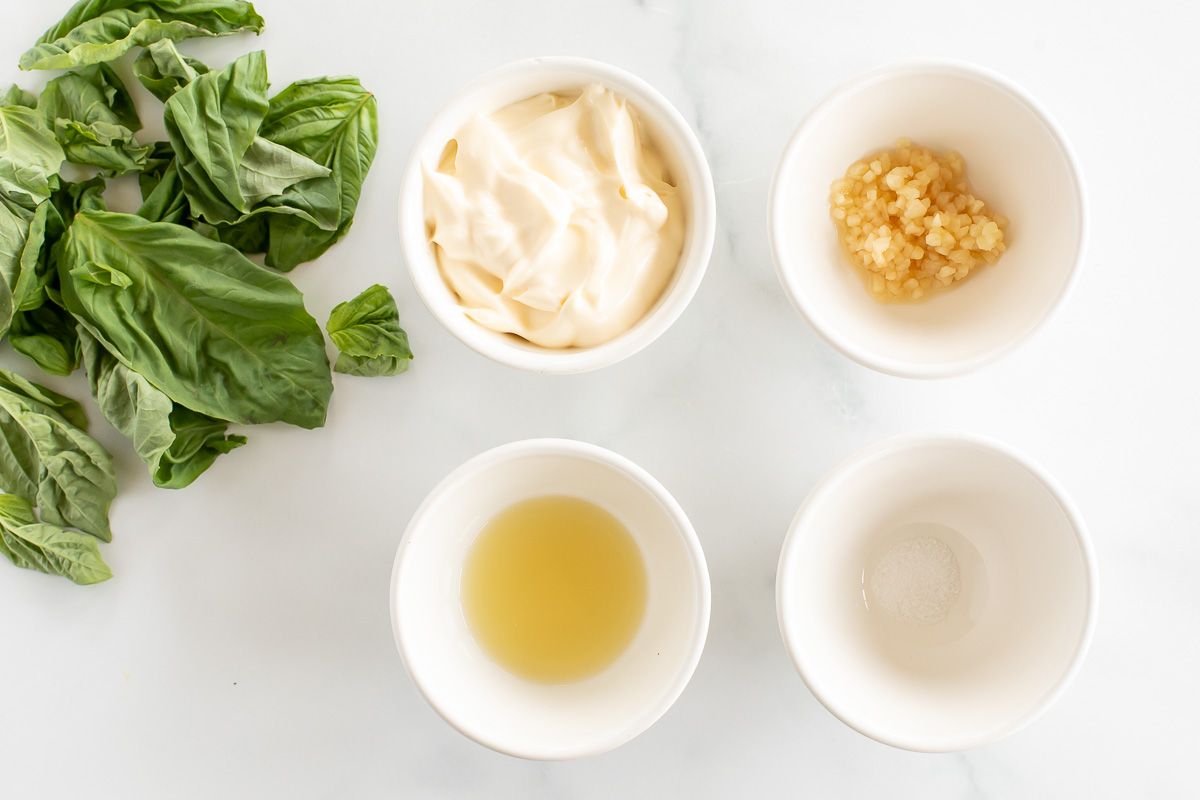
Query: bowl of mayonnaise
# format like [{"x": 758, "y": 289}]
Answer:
[{"x": 557, "y": 215}]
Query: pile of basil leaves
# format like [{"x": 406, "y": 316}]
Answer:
[{"x": 178, "y": 332}]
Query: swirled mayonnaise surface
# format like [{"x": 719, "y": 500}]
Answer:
[{"x": 555, "y": 218}]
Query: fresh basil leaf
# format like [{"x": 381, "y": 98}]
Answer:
[
  {"x": 94, "y": 31},
  {"x": 367, "y": 332},
  {"x": 211, "y": 123},
  {"x": 248, "y": 236},
  {"x": 93, "y": 118},
  {"x": 101, "y": 275},
  {"x": 333, "y": 121},
  {"x": 161, "y": 156},
  {"x": 71, "y": 198},
  {"x": 176, "y": 443},
  {"x": 268, "y": 169},
  {"x": 47, "y": 335},
  {"x": 29, "y": 162},
  {"x": 214, "y": 331},
  {"x": 199, "y": 440},
  {"x": 127, "y": 400},
  {"x": 163, "y": 199},
  {"x": 163, "y": 70},
  {"x": 47, "y": 457},
  {"x": 29, "y": 156},
  {"x": 60, "y": 404},
  {"x": 39, "y": 270},
  {"x": 30, "y": 240},
  {"x": 35, "y": 545},
  {"x": 16, "y": 96},
  {"x": 16, "y": 220},
  {"x": 87, "y": 94},
  {"x": 19, "y": 463},
  {"x": 34, "y": 264},
  {"x": 226, "y": 168}
]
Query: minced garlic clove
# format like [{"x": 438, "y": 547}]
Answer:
[{"x": 907, "y": 218}]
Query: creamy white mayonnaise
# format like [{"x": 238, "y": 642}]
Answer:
[{"x": 555, "y": 218}]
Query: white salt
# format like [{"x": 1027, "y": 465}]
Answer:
[{"x": 917, "y": 580}]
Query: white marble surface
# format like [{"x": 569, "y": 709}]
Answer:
[{"x": 244, "y": 648}]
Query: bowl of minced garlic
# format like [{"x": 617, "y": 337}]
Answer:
[{"x": 908, "y": 220}]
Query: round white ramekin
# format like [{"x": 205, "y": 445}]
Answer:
[
  {"x": 495, "y": 707},
  {"x": 1033, "y": 593},
  {"x": 1018, "y": 162},
  {"x": 680, "y": 149}
]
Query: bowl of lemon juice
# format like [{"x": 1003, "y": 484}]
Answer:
[{"x": 550, "y": 599}]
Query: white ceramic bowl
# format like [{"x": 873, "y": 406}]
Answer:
[
  {"x": 482, "y": 699},
  {"x": 1028, "y": 600},
  {"x": 683, "y": 155},
  {"x": 1018, "y": 162}
]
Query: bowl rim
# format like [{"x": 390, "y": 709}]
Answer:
[
  {"x": 637, "y": 724},
  {"x": 700, "y": 231},
  {"x": 843, "y": 472},
  {"x": 789, "y": 276}
]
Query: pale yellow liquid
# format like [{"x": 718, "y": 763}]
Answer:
[{"x": 554, "y": 589}]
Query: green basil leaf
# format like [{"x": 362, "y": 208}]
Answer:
[
  {"x": 35, "y": 545},
  {"x": 34, "y": 264},
  {"x": 19, "y": 463},
  {"x": 268, "y": 169},
  {"x": 94, "y": 31},
  {"x": 199, "y": 440},
  {"x": 101, "y": 275},
  {"x": 163, "y": 70},
  {"x": 226, "y": 168},
  {"x": 46, "y": 450},
  {"x": 16, "y": 221},
  {"x": 93, "y": 118},
  {"x": 248, "y": 236},
  {"x": 47, "y": 399},
  {"x": 176, "y": 443},
  {"x": 71, "y": 198},
  {"x": 16, "y": 96},
  {"x": 39, "y": 271},
  {"x": 47, "y": 335},
  {"x": 29, "y": 156},
  {"x": 367, "y": 332},
  {"x": 31, "y": 240},
  {"x": 214, "y": 331},
  {"x": 333, "y": 121},
  {"x": 163, "y": 199},
  {"x": 211, "y": 123}
]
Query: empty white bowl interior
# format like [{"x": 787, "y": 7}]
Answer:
[
  {"x": 665, "y": 127},
  {"x": 1025, "y": 601},
  {"x": 512, "y": 714},
  {"x": 1015, "y": 162}
]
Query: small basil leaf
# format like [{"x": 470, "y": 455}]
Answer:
[
  {"x": 16, "y": 96},
  {"x": 163, "y": 70},
  {"x": 35, "y": 545},
  {"x": 29, "y": 156},
  {"x": 367, "y": 332},
  {"x": 45, "y": 450},
  {"x": 101, "y": 275},
  {"x": 47, "y": 335},
  {"x": 93, "y": 118}
]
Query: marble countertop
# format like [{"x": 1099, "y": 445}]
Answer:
[{"x": 244, "y": 648}]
